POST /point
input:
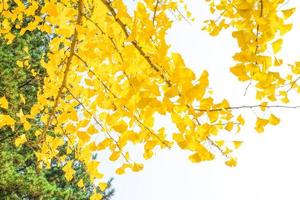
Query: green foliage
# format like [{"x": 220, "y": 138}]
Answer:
[
  {"x": 20, "y": 177},
  {"x": 21, "y": 180}
]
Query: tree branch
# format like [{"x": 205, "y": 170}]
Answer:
[
  {"x": 155, "y": 10},
  {"x": 68, "y": 64},
  {"x": 246, "y": 107},
  {"x": 99, "y": 123},
  {"x": 124, "y": 106},
  {"x": 134, "y": 43}
]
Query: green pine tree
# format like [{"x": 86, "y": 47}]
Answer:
[{"x": 19, "y": 175}]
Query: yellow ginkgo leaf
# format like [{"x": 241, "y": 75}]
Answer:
[
  {"x": 260, "y": 125},
  {"x": 231, "y": 162},
  {"x": 10, "y": 37},
  {"x": 220, "y": 143},
  {"x": 92, "y": 130},
  {"x": 120, "y": 171},
  {"x": 69, "y": 171},
  {"x": 240, "y": 71},
  {"x": 114, "y": 156},
  {"x": 3, "y": 103},
  {"x": 26, "y": 62},
  {"x": 278, "y": 62},
  {"x": 288, "y": 13},
  {"x": 26, "y": 125},
  {"x": 6, "y": 120},
  {"x": 120, "y": 126},
  {"x": 23, "y": 120},
  {"x": 96, "y": 196},
  {"x": 137, "y": 167},
  {"x": 273, "y": 120},
  {"x": 241, "y": 120},
  {"x": 80, "y": 183},
  {"x": 102, "y": 186},
  {"x": 285, "y": 28},
  {"x": 277, "y": 45},
  {"x": 20, "y": 140},
  {"x": 22, "y": 99},
  {"x": 203, "y": 155},
  {"x": 229, "y": 126},
  {"x": 83, "y": 136},
  {"x": 147, "y": 154},
  {"x": 237, "y": 144},
  {"x": 20, "y": 64}
]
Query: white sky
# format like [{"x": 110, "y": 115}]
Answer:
[{"x": 268, "y": 164}]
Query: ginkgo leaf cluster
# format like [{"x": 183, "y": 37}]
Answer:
[{"x": 110, "y": 72}]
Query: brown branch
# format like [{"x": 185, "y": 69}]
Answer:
[
  {"x": 257, "y": 46},
  {"x": 217, "y": 146},
  {"x": 246, "y": 107},
  {"x": 99, "y": 123},
  {"x": 293, "y": 83},
  {"x": 185, "y": 19},
  {"x": 134, "y": 43},
  {"x": 211, "y": 141},
  {"x": 155, "y": 11},
  {"x": 67, "y": 69},
  {"x": 151, "y": 132},
  {"x": 91, "y": 71},
  {"x": 123, "y": 107},
  {"x": 26, "y": 82}
]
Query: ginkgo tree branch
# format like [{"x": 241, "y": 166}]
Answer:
[
  {"x": 91, "y": 71},
  {"x": 66, "y": 71},
  {"x": 124, "y": 106},
  {"x": 217, "y": 147},
  {"x": 110, "y": 39},
  {"x": 104, "y": 33},
  {"x": 99, "y": 123},
  {"x": 134, "y": 42},
  {"x": 257, "y": 46},
  {"x": 155, "y": 11},
  {"x": 293, "y": 83},
  {"x": 246, "y": 107},
  {"x": 211, "y": 141}
]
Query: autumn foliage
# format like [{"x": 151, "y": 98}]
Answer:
[{"x": 110, "y": 74}]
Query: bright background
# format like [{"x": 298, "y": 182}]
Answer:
[{"x": 268, "y": 164}]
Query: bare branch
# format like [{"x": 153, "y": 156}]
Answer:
[
  {"x": 247, "y": 107},
  {"x": 155, "y": 10}
]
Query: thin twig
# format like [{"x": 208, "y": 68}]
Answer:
[
  {"x": 155, "y": 10},
  {"x": 123, "y": 107},
  {"x": 247, "y": 107},
  {"x": 99, "y": 123},
  {"x": 257, "y": 46}
]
